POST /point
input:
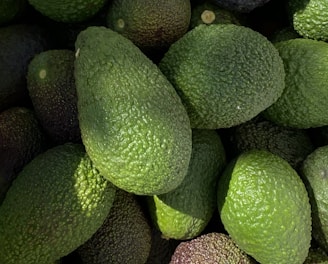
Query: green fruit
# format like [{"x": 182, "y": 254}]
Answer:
[
  {"x": 209, "y": 248},
  {"x": 314, "y": 171},
  {"x": 185, "y": 212},
  {"x": 68, "y": 10},
  {"x": 56, "y": 203},
  {"x": 309, "y": 18},
  {"x": 21, "y": 139},
  {"x": 124, "y": 237},
  {"x": 303, "y": 104},
  {"x": 225, "y": 74},
  {"x": 292, "y": 144},
  {"x": 150, "y": 24},
  {"x": 264, "y": 207},
  {"x": 132, "y": 121},
  {"x": 51, "y": 87}
]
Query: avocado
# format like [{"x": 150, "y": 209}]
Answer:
[
  {"x": 184, "y": 212},
  {"x": 133, "y": 124},
  {"x": 314, "y": 173},
  {"x": 18, "y": 45},
  {"x": 225, "y": 74},
  {"x": 67, "y": 11},
  {"x": 292, "y": 144},
  {"x": 303, "y": 101},
  {"x": 151, "y": 25},
  {"x": 21, "y": 139},
  {"x": 309, "y": 18},
  {"x": 51, "y": 87},
  {"x": 264, "y": 207},
  {"x": 124, "y": 237},
  {"x": 55, "y": 204},
  {"x": 212, "y": 247}
]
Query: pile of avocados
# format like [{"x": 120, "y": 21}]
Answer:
[{"x": 163, "y": 132}]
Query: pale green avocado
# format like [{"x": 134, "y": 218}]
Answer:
[
  {"x": 264, "y": 206},
  {"x": 185, "y": 212},
  {"x": 309, "y": 18},
  {"x": 133, "y": 123},
  {"x": 56, "y": 203}
]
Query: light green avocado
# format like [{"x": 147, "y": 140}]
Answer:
[
  {"x": 185, "y": 212},
  {"x": 133, "y": 123},
  {"x": 56, "y": 203},
  {"x": 309, "y": 18}
]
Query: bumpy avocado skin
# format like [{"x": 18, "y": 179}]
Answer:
[
  {"x": 309, "y": 18},
  {"x": 152, "y": 25},
  {"x": 68, "y": 11},
  {"x": 133, "y": 123},
  {"x": 292, "y": 144},
  {"x": 51, "y": 87},
  {"x": 210, "y": 248},
  {"x": 21, "y": 139},
  {"x": 185, "y": 212},
  {"x": 124, "y": 237},
  {"x": 225, "y": 74},
  {"x": 56, "y": 203}
]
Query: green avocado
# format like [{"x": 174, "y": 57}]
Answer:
[
  {"x": 133, "y": 123},
  {"x": 51, "y": 87},
  {"x": 126, "y": 224},
  {"x": 55, "y": 204}
]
